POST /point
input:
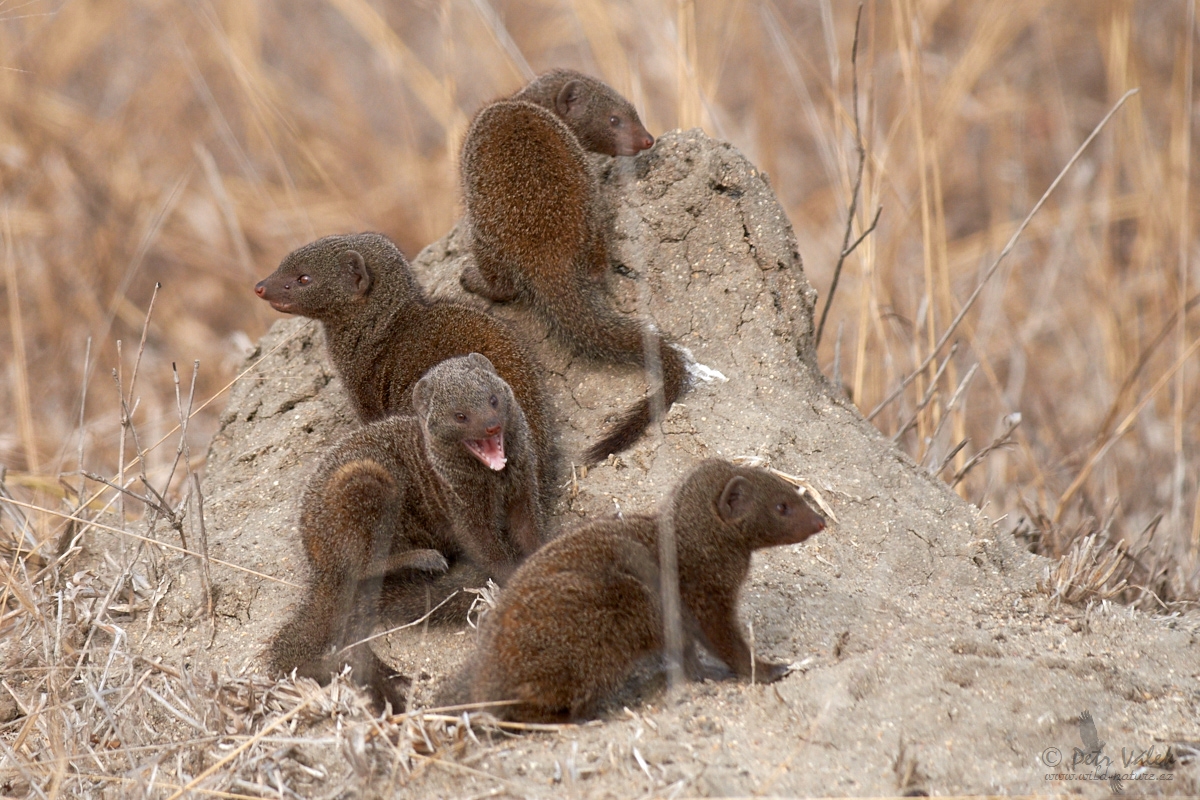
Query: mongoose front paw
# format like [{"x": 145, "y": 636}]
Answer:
[
  {"x": 768, "y": 672},
  {"x": 391, "y": 688},
  {"x": 697, "y": 669}
]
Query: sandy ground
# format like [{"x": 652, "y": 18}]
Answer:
[{"x": 925, "y": 657}]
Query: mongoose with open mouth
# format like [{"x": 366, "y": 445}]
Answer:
[{"x": 417, "y": 501}]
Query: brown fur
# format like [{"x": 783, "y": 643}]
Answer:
[
  {"x": 383, "y": 334},
  {"x": 602, "y": 120},
  {"x": 405, "y": 498},
  {"x": 538, "y": 230},
  {"x": 582, "y": 612}
]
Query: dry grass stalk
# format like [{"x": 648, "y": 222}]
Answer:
[
  {"x": 218, "y": 735},
  {"x": 1091, "y": 570}
]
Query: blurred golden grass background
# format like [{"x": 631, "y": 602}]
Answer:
[{"x": 194, "y": 143}]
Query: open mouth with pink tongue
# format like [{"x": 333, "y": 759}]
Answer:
[{"x": 490, "y": 450}]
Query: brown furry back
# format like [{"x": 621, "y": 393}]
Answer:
[{"x": 535, "y": 228}]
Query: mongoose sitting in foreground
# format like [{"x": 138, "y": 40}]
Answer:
[
  {"x": 456, "y": 484},
  {"x": 383, "y": 334},
  {"x": 581, "y": 613},
  {"x": 538, "y": 230}
]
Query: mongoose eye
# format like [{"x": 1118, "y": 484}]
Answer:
[
  {"x": 304, "y": 280},
  {"x": 495, "y": 401},
  {"x": 783, "y": 509},
  {"x": 460, "y": 417},
  {"x": 615, "y": 121}
]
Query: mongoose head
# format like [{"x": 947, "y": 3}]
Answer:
[
  {"x": 463, "y": 402},
  {"x": 322, "y": 278},
  {"x": 758, "y": 508},
  {"x": 602, "y": 120}
]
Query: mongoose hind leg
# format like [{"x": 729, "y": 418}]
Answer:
[
  {"x": 326, "y": 634},
  {"x": 488, "y": 280},
  {"x": 381, "y": 682}
]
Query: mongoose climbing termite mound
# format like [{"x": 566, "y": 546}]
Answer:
[
  {"x": 583, "y": 611},
  {"x": 451, "y": 493},
  {"x": 383, "y": 334},
  {"x": 537, "y": 229}
]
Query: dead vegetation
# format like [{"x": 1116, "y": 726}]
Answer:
[{"x": 191, "y": 145}]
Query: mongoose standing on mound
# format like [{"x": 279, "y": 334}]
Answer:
[
  {"x": 582, "y": 612},
  {"x": 538, "y": 231},
  {"x": 383, "y": 334},
  {"x": 454, "y": 484}
]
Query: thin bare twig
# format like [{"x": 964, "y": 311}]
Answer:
[
  {"x": 847, "y": 246},
  {"x": 1011, "y": 422},
  {"x": 949, "y": 456},
  {"x": 116, "y": 373},
  {"x": 87, "y": 357},
  {"x": 912, "y": 420},
  {"x": 954, "y": 398},
  {"x": 205, "y": 571},
  {"x": 182, "y": 449},
  {"x": 137, "y": 362},
  {"x": 141, "y": 498},
  {"x": 412, "y": 624},
  {"x": 945, "y": 337}
]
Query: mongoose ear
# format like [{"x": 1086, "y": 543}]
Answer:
[
  {"x": 481, "y": 361},
  {"x": 736, "y": 499},
  {"x": 569, "y": 96},
  {"x": 357, "y": 272},
  {"x": 421, "y": 393}
]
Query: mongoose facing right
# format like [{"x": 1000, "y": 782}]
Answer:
[
  {"x": 454, "y": 484},
  {"x": 602, "y": 120},
  {"x": 383, "y": 334},
  {"x": 582, "y": 612},
  {"x": 538, "y": 231}
]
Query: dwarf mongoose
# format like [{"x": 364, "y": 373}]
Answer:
[
  {"x": 456, "y": 484},
  {"x": 383, "y": 334},
  {"x": 577, "y": 617},
  {"x": 538, "y": 230}
]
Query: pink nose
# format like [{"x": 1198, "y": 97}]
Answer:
[
  {"x": 493, "y": 430},
  {"x": 260, "y": 289},
  {"x": 647, "y": 142}
]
